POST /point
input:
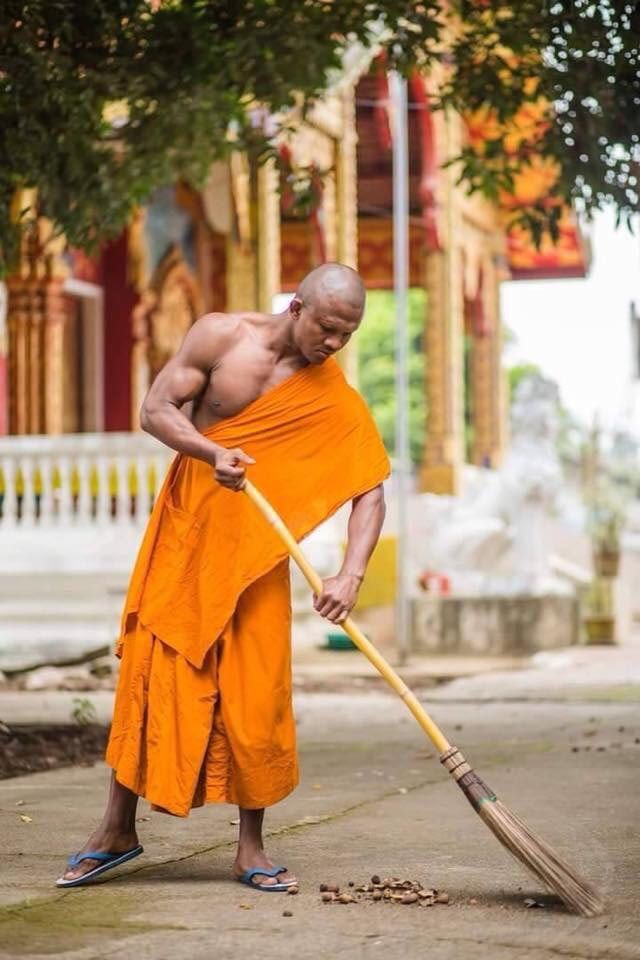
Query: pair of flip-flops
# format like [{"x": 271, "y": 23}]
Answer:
[
  {"x": 249, "y": 875},
  {"x": 107, "y": 861}
]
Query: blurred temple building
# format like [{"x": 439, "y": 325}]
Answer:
[
  {"x": 85, "y": 336},
  {"x": 81, "y": 338}
]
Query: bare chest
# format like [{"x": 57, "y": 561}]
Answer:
[{"x": 242, "y": 376}]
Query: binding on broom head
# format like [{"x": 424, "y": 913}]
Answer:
[{"x": 534, "y": 853}]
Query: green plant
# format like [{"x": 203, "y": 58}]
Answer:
[
  {"x": 605, "y": 518},
  {"x": 83, "y": 711},
  {"x": 520, "y": 372},
  {"x": 376, "y": 366}
]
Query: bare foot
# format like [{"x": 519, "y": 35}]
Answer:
[
  {"x": 249, "y": 860},
  {"x": 101, "y": 842}
]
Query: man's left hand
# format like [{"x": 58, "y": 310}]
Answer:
[{"x": 338, "y": 597}]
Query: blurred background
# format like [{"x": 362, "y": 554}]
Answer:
[
  {"x": 477, "y": 161},
  {"x": 523, "y": 303}
]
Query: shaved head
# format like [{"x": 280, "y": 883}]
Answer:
[
  {"x": 333, "y": 284},
  {"x": 326, "y": 311}
]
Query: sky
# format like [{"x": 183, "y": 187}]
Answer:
[{"x": 578, "y": 331}]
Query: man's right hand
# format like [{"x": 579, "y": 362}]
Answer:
[{"x": 229, "y": 468}]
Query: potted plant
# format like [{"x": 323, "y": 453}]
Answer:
[
  {"x": 606, "y": 548},
  {"x": 606, "y": 521},
  {"x": 598, "y": 617}
]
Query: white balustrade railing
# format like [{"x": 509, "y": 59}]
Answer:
[{"x": 96, "y": 479}]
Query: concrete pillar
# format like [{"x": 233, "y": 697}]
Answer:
[
  {"x": 241, "y": 277},
  {"x": 444, "y": 332},
  {"x": 253, "y": 257},
  {"x": 346, "y": 192},
  {"x": 242, "y": 286},
  {"x": 488, "y": 405},
  {"x": 267, "y": 235},
  {"x": 35, "y": 320},
  {"x": 53, "y": 373},
  {"x": 4, "y": 350},
  {"x": 444, "y": 335}
]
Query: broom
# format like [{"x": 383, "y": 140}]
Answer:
[{"x": 534, "y": 853}]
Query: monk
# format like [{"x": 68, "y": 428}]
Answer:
[{"x": 203, "y": 709}]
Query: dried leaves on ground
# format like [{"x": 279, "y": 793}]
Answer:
[{"x": 384, "y": 890}]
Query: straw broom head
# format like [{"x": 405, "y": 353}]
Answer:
[{"x": 513, "y": 834}]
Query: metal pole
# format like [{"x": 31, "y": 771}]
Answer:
[{"x": 398, "y": 94}]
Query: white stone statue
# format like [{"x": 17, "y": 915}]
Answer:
[
  {"x": 532, "y": 478},
  {"x": 491, "y": 538}
]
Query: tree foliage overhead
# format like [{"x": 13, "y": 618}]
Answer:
[
  {"x": 101, "y": 101},
  {"x": 579, "y": 57}
]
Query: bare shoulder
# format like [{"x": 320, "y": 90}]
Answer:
[
  {"x": 222, "y": 327},
  {"x": 209, "y": 338}
]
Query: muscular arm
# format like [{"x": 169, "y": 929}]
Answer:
[
  {"x": 365, "y": 523},
  {"x": 184, "y": 378}
]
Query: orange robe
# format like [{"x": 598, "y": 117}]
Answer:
[{"x": 203, "y": 706}]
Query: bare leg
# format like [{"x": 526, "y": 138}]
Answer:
[
  {"x": 116, "y": 833},
  {"x": 250, "y": 851}
]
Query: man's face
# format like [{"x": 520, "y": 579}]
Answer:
[{"x": 320, "y": 330}]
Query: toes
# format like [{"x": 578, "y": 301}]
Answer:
[{"x": 74, "y": 873}]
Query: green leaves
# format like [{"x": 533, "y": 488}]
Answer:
[
  {"x": 585, "y": 58},
  {"x": 376, "y": 366},
  {"x": 186, "y": 69}
]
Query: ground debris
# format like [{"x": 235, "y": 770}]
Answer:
[
  {"x": 346, "y": 898},
  {"x": 530, "y": 903},
  {"x": 387, "y": 890}
]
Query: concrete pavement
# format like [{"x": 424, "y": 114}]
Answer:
[{"x": 373, "y": 800}]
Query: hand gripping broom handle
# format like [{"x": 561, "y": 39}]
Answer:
[{"x": 436, "y": 736}]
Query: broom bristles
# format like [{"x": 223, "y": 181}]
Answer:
[
  {"x": 525, "y": 846},
  {"x": 541, "y": 859}
]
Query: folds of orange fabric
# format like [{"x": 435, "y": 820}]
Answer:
[{"x": 316, "y": 447}]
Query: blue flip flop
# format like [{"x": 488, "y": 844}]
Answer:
[
  {"x": 248, "y": 875},
  {"x": 108, "y": 862}
]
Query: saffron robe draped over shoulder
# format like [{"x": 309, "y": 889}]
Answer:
[
  {"x": 203, "y": 709},
  {"x": 316, "y": 447}
]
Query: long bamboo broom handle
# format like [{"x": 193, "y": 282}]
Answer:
[{"x": 315, "y": 582}]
